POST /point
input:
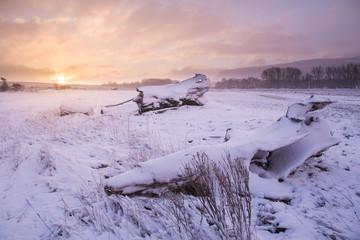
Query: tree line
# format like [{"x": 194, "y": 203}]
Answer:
[
  {"x": 4, "y": 86},
  {"x": 342, "y": 76}
]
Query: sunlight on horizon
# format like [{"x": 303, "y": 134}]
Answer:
[{"x": 61, "y": 79}]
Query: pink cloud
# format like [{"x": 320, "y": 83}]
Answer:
[
  {"x": 188, "y": 71},
  {"x": 23, "y": 73}
]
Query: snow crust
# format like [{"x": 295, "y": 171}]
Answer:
[{"x": 53, "y": 169}]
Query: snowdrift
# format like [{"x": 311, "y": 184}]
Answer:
[
  {"x": 273, "y": 152},
  {"x": 73, "y": 107}
]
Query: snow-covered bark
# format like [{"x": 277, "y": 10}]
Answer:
[
  {"x": 187, "y": 92},
  {"x": 273, "y": 152}
]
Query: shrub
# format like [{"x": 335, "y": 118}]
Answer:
[
  {"x": 61, "y": 86},
  {"x": 17, "y": 87}
]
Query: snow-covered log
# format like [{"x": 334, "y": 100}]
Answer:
[
  {"x": 271, "y": 153},
  {"x": 314, "y": 133},
  {"x": 187, "y": 92}
]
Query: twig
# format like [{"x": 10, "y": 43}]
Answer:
[
  {"x": 47, "y": 226},
  {"x": 114, "y": 105},
  {"x": 357, "y": 216}
]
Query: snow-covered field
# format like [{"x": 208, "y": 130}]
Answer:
[{"x": 52, "y": 167}]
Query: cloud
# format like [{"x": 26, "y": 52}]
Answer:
[
  {"x": 89, "y": 73},
  {"x": 160, "y": 23},
  {"x": 81, "y": 73},
  {"x": 138, "y": 39},
  {"x": 23, "y": 73},
  {"x": 48, "y": 9},
  {"x": 189, "y": 71},
  {"x": 154, "y": 31},
  {"x": 257, "y": 43},
  {"x": 257, "y": 61}
]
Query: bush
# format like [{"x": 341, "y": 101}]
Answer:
[
  {"x": 17, "y": 87},
  {"x": 61, "y": 86}
]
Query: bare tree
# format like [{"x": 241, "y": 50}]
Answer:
[
  {"x": 291, "y": 77},
  {"x": 353, "y": 74},
  {"x": 318, "y": 73},
  {"x": 4, "y": 85},
  {"x": 330, "y": 77},
  {"x": 337, "y": 76},
  {"x": 272, "y": 75}
]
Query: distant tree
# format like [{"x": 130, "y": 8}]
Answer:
[
  {"x": 330, "y": 77},
  {"x": 291, "y": 77},
  {"x": 338, "y": 76},
  {"x": 61, "y": 86},
  {"x": 243, "y": 83},
  {"x": 234, "y": 83},
  {"x": 272, "y": 76},
  {"x": 308, "y": 80},
  {"x": 156, "y": 81},
  {"x": 353, "y": 75},
  {"x": 252, "y": 82},
  {"x": 4, "y": 85},
  {"x": 318, "y": 74},
  {"x": 17, "y": 87},
  {"x": 296, "y": 77},
  {"x": 221, "y": 84},
  {"x": 343, "y": 76},
  {"x": 356, "y": 76},
  {"x": 110, "y": 83}
]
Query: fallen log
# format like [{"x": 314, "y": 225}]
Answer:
[
  {"x": 270, "y": 153},
  {"x": 187, "y": 92}
]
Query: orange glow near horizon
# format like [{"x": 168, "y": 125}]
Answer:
[{"x": 61, "y": 80}]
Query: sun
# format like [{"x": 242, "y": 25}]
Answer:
[{"x": 61, "y": 80}]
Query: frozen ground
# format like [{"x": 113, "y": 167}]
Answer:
[{"x": 52, "y": 167}]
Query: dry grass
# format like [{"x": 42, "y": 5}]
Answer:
[{"x": 221, "y": 196}]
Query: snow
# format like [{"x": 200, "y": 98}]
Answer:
[{"x": 53, "y": 169}]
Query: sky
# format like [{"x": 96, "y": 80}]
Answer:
[{"x": 95, "y": 42}]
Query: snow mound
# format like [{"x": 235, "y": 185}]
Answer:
[{"x": 71, "y": 107}]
